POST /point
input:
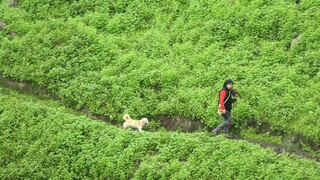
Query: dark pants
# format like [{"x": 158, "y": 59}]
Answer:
[{"x": 225, "y": 125}]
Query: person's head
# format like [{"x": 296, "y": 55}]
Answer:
[{"x": 228, "y": 84}]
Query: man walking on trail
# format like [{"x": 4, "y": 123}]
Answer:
[{"x": 225, "y": 106}]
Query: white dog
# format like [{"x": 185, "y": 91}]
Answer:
[{"x": 137, "y": 124}]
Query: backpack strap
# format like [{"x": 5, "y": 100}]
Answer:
[{"x": 228, "y": 97}]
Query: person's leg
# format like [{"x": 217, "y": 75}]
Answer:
[
  {"x": 222, "y": 125},
  {"x": 228, "y": 122}
]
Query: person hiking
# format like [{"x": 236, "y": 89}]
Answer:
[{"x": 224, "y": 106}]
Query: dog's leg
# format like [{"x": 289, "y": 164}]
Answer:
[{"x": 125, "y": 126}]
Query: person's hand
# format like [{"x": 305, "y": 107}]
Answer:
[{"x": 224, "y": 111}]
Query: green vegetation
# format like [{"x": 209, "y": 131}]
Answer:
[
  {"x": 158, "y": 58},
  {"x": 151, "y": 58},
  {"x": 41, "y": 139}
]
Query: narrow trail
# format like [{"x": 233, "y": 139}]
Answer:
[{"x": 30, "y": 88}]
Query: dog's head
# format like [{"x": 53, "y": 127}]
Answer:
[
  {"x": 126, "y": 117},
  {"x": 144, "y": 120}
]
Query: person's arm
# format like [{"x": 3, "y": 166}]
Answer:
[{"x": 223, "y": 94}]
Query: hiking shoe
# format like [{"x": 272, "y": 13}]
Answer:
[{"x": 214, "y": 132}]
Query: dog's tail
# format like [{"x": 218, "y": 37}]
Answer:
[{"x": 126, "y": 117}]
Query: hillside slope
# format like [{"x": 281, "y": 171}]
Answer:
[
  {"x": 150, "y": 58},
  {"x": 41, "y": 139}
]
